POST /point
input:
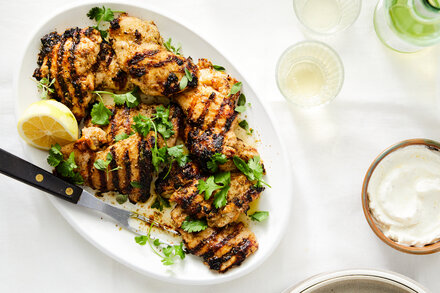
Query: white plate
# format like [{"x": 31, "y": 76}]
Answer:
[{"x": 119, "y": 244}]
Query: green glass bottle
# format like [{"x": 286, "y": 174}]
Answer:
[{"x": 408, "y": 25}]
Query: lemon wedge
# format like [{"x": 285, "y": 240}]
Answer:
[{"x": 47, "y": 122}]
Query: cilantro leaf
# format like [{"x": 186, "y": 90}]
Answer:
[
  {"x": 160, "y": 203},
  {"x": 121, "y": 198},
  {"x": 128, "y": 98},
  {"x": 220, "y": 198},
  {"x": 122, "y": 136},
  {"x": 241, "y": 104},
  {"x": 141, "y": 239},
  {"x": 235, "y": 88},
  {"x": 102, "y": 165},
  {"x": 240, "y": 109},
  {"x": 259, "y": 216},
  {"x": 158, "y": 156},
  {"x": 135, "y": 184},
  {"x": 245, "y": 125},
  {"x": 55, "y": 155},
  {"x": 178, "y": 250},
  {"x": 162, "y": 119},
  {"x": 253, "y": 169},
  {"x": 45, "y": 87},
  {"x": 171, "y": 48},
  {"x": 208, "y": 187},
  {"x": 223, "y": 178},
  {"x": 156, "y": 242},
  {"x": 102, "y": 14},
  {"x": 218, "y": 67},
  {"x": 142, "y": 124},
  {"x": 194, "y": 225},
  {"x": 215, "y": 160},
  {"x": 100, "y": 114},
  {"x": 65, "y": 168},
  {"x": 177, "y": 154}
]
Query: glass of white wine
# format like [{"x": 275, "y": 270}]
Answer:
[
  {"x": 309, "y": 74},
  {"x": 326, "y": 17}
]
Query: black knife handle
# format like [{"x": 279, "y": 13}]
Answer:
[{"x": 30, "y": 174}]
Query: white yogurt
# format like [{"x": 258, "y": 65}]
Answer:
[{"x": 404, "y": 194}]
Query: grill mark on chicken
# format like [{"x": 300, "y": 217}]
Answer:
[
  {"x": 89, "y": 181},
  {"x": 114, "y": 165},
  {"x": 202, "y": 243},
  {"x": 239, "y": 251},
  {"x": 128, "y": 171},
  {"x": 201, "y": 119},
  {"x": 59, "y": 77},
  {"x": 220, "y": 244},
  {"x": 138, "y": 57},
  {"x": 74, "y": 76},
  {"x": 102, "y": 178}
]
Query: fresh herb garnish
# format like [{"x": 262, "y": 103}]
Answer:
[
  {"x": 220, "y": 181},
  {"x": 45, "y": 86},
  {"x": 194, "y": 225},
  {"x": 218, "y": 67},
  {"x": 100, "y": 15},
  {"x": 135, "y": 184},
  {"x": 169, "y": 252},
  {"x": 171, "y": 48},
  {"x": 121, "y": 198},
  {"x": 207, "y": 187},
  {"x": 252, "y": 169},
  {"x": 241, "y": 104},
  {"x": 129, "y": 98},
  {"x": 177, "y": 153},
  {"x": 160, "y": 203},
  {"x": 235, "y": 88},
  {"x": 259, "y": 216},
  {"x": 64, "y": 167},
  {"x": 185, "y": 79},
  {"x": 100, "y": 114},
  {"x": 215, "y": 160},
  {"x": 122, "y": 136},
  {"x": 102, "y": 165},
  {"x": 163, "y": 123},
  {"x": 245, "y": 125}
]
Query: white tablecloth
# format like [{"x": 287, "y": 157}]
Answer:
[{"x": 386, "y": 97}]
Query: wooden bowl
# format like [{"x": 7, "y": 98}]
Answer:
[{"x": 427, "y": 249}]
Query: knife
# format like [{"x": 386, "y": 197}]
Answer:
[{"x": 21, "y": 170}]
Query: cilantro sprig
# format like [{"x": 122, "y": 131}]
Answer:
[
  {"x": 253, "y": 170},
  {"x": 129, "y": 98},
  {"x": 122, "y": 136},
  {"x": 241, "y": 104},
  {"x": 169, "y": 46},
  {"x": 215, "y": 160},
  {"x": 220, "y": 181},
  {"x": 259, "y": 216},
  {"x": 100, "y": 113},
  {"x": 102, "y": 14},
  {"x": 167, "y": 253},
  {"x": 160, "y": 202},
  {"x": 102, "y": 165},
  {"x": 45, "y": 87},
  {"x": 192, "y": 226},
  {"x": 218, "y": 67},
  {"x": 66, "y": 168}
]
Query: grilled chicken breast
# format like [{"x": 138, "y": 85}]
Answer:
[
  {"x": 177, "y": 177},
  {"x": 140, "y": 52},
  {"x": 220, "y": 248},
  {"x": 240, "y": 194},
  {"x": 68, "y": 58}
]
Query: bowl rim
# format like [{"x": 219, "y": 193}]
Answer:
[{"x": 427, "y": 249}]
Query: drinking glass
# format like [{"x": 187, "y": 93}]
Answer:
[{"x": 325, "y": 17}]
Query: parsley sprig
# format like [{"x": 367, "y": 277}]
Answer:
[
  {"x": 66, "y": 168},
  {"x": 167, "y": 253},
  {"x": 102, "y": 14},
  {"x": 45, "y": 87},
  {"x": 253, "y": 170},
  {"x": 171, "y": 48}
]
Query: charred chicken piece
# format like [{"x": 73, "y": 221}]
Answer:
[
  {"x": 68, "y": 58},
  {"x": 220, "y": 248},
  {"x": 240, "y": 194},
  {"x": 211, "y": 119},
  {"x": 131, "y": 161},
  {"x": 178, "y": 177},
  {"x": 140, "y": 52}
]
